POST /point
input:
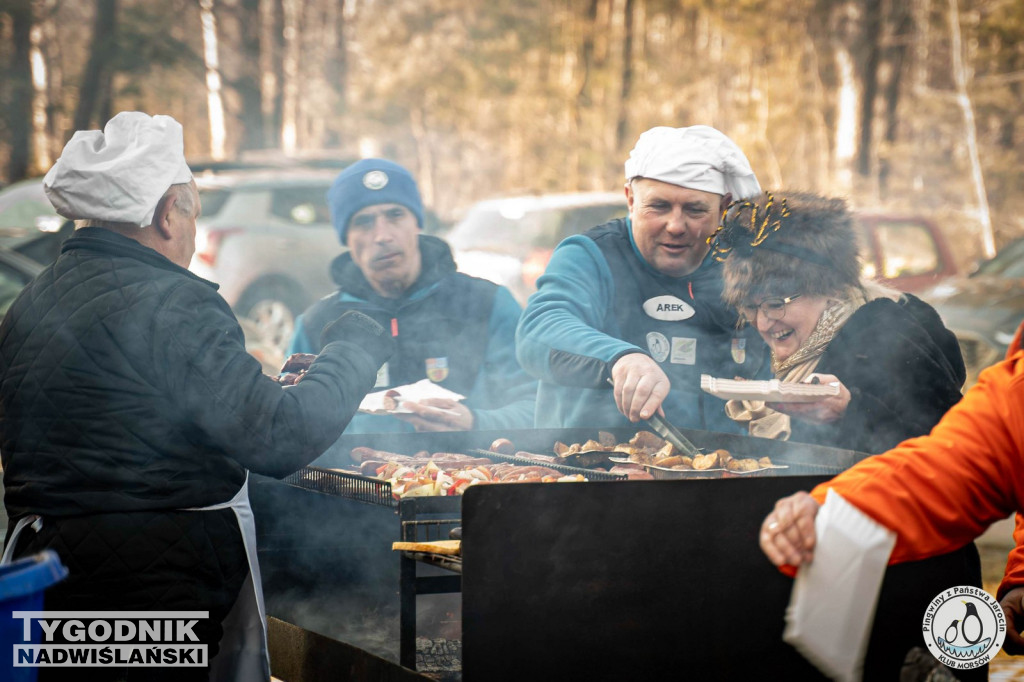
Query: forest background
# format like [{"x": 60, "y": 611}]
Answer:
[{"x": 908, "y": 106}]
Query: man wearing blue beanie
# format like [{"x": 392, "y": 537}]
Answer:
[{"x": 455, "y": 330}]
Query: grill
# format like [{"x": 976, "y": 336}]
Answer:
[
  {"x": 575, "y": 580},
  {"x": 325, "y": 535}
]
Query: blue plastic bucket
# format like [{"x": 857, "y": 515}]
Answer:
[{"x": 22, "y": 584}]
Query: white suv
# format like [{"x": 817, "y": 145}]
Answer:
[
  {"x": 510, "y": 240},
  {"x": 266, "y": 237}
]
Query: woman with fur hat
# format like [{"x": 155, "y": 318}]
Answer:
[{"x": 792, "y": 269}]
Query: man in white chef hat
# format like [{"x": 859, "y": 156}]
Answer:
[
  {"x": 130, "y": 412},
  {"x": 628, "y": 315}
]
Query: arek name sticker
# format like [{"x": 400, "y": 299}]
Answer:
[{"x": 668, "y": 308}]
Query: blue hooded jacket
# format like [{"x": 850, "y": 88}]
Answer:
[
  {"x": 457, "y": 330},
  {"x": 599, "y": 300}
]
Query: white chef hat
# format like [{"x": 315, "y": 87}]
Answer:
[
  {"x": 119, "y": 173},
  {"x": 697, "y": 157}
]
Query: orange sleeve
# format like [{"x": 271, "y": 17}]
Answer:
[
  {"x": 940, "y": 491},
  {"x": 1014, "y": 575}
]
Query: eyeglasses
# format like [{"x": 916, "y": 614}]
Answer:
[{"x": 771, "y": 308}]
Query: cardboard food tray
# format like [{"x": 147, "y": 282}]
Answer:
[
  {"x": 771, "y": 391},
  {"x": 390, "y": 401}
]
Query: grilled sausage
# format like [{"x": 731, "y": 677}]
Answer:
[
  {"x": 503, "y": 446},
  {"x": 361, "y": 454},
  {"x": 297, "y": 362}
]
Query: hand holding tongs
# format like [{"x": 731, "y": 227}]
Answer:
[{"x": 672, "y": 435}]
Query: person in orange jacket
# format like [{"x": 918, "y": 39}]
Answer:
[{"x": 936, "y": 492}]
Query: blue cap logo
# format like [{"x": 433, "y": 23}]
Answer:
[{"x": 375, "y": 179}]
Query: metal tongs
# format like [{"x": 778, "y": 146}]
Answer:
[{"x": 672, "y": 435}]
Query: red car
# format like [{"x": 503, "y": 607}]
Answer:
[{"x": 908, "y": 252}]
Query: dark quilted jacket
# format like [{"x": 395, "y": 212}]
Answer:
[{"x": 126, "y": 392}]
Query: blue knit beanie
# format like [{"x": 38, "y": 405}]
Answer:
[{"x": 367, "y": 183}]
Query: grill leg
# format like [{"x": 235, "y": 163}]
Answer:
[{"x": 407, "y": 614}]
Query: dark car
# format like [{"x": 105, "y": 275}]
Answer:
[
  {"x": 29, "y": 224},
  {"x": 985, "y": 308},
  {"x": 16, "y": 271}
]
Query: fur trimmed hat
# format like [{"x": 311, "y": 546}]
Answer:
[{"x": 781, "y": 246}]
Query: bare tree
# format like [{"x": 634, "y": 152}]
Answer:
[
  {"x": 270, "y": 48},
  {"x": 40, "y": 104},
  {"x": 871, "y": 55},
  {"x": 900, "y": 40},
  {"x": 18, "y": 116},
  {"x": 970, "y": 130},
  {"x": 626, "y": 78},
  {"x": 94, "y": 103},
  {"x": 214, "y": 102},
  {"x": 848, "y": 106}
]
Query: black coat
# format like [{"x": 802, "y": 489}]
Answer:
[
  {"x": 125, "y": 394},
  {"x": 903, "y": 368}
]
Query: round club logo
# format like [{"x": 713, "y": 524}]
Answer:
[
  {"x": 659, "y": 346},
  {"x": 375, "y": 179},
  {"x": 964, "y": 627}
]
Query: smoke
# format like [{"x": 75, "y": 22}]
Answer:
[
  {"x": 327, "y": 566},
  {"x": 327, "y": 563},
  {"x": 340, "y": 614}
]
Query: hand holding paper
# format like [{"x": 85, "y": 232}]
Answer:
[
  {"x": 844, "y": 578},
  {"x": 787, "y": 534}
]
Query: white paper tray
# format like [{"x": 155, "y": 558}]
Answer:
[
  {"x": 773, "y": 390},
  {"x": 374, "y": 403}
]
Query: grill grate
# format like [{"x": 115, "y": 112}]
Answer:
[{"x": 341, "y": 484}]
